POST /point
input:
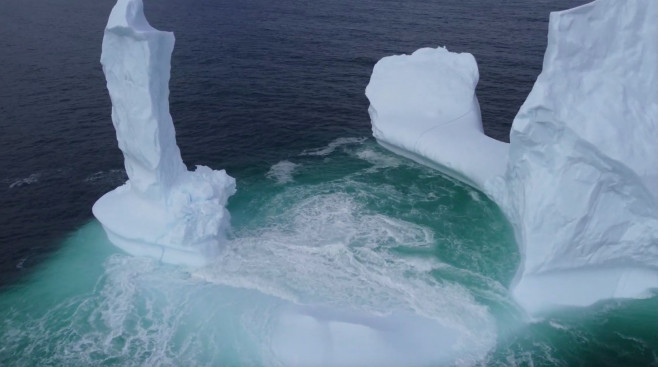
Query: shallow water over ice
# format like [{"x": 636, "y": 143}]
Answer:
[
  {"x": 361, "y": 257},
  {"x": 343, "y": 265}
]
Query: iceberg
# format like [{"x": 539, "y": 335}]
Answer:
[
  {"x": 163, "y": 211},
  {"x": 579, "y": 179},
  {"x": 423, "y": 106}
]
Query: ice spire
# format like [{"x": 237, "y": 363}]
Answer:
[
  {"x": 136, "y": 61},
  {"x": 163, "y": 211}
]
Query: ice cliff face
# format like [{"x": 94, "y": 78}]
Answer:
[
  {"x": 581, "y": 186},
  {"x": 163, "y": 211},
  {"x": 579, "y": 179}
]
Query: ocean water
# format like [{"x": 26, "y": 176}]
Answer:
[{"x": 323, "y": 218}]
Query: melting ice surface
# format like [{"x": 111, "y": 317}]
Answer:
[{"x": 579, "y": 180}]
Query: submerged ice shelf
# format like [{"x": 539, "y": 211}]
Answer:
[
  {"x": 332, "y": 269},
  {"x": 579, "y": 179},
  {"x": 163, "y": 211},
  {"x": 328, "y": 296}
]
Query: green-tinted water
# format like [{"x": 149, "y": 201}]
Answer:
[{"x": 346, "y": 227}]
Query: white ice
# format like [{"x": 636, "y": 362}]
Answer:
[
  {"x": 579, "y": 180},
  {"x": 163, "y": 210},
  {"x": 347, "y": 297},
  {"x": 582, "y": 181},
  {"x": 423, "y": 106}
]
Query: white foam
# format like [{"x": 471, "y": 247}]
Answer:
[
  {"x": 379, "y": 160},
  {"x": 321, "y": 277},
  {"x": 113, "y": 176},
  {"x": 282, "y": 172},
  {"x": 556, "y": 325},
  {"x": 332, "y": 260},
  {"x": 474, "y": 195},
  {"x": 332, "y": 146},
  {"x": 318, "y": 269},
  {"x": 33, "y": 178}
]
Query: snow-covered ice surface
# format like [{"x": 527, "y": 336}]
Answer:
[
  {"x": 423, "y": 106},
  {"x": 163, "y": 210},
  {"x": 579, "y": 179}
]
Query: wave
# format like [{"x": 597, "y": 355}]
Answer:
[
  {"x": 332, "y": 146},
  {"x": 282, "y": 172}
]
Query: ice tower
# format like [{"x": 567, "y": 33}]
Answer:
[{"x": 163, "y": 211}]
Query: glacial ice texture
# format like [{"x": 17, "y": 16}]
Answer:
[
  {"x": 579, "y": 179},
  {"x": 163, "y": 210},
  {"x": 581, "y": 186}
]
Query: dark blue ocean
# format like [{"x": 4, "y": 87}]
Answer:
[{"x": 273, "y": 92}]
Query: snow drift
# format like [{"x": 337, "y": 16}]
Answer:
[
  {"x": 579, "y": 179},
  {"x": 163, "y": 210}
]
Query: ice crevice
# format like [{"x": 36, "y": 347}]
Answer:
[{"x": 579, "y": 179}]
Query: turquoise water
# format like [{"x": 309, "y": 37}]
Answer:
[{"x": 346, "y": 226}]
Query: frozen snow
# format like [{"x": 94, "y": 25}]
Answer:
[
  {"x": 163, "y": 211},
  {"x": 579, "y": 180}
]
